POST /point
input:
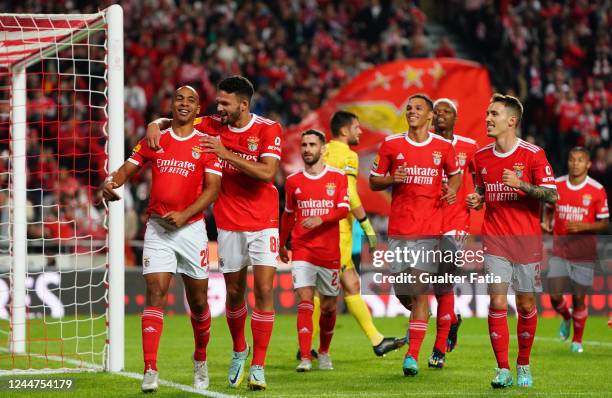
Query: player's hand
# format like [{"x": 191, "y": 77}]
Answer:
[
  {"x": 214, "y": 145},
  {"x": 450, "y": 196},
  {"x": 312, "y": 222},
  {"x": 574, "y": 227},
  {"x": 511, "y": 179},
  {"x": 372, "y": 243},
  {"x": 399, "y": 177},
  {"x": 176, "y": 218},
  {"x": 546, "y": 227},
  {"x": 473, "y": 200},
  {"x": 108, "y": 189},
  {"x": 283, "y": 253},
  {"x": 153, "y": 135}
]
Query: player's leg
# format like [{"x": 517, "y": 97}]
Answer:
[
  {"x": 581, "y": 275},
  {"x": 558, "y": 284},
  {"x": 304, "y": 277},
  {"x": 444, "y": 319},
  {"x": 500, "y": 268},
  {"x": 263, "y": 254},
  {"x": 328, "y": 286},
  {"x": 526, "y": 283},
  {"x": 233, "y": 263},
  {"x": 197, "y": 291}
]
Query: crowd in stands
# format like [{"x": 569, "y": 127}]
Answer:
[{"x": 298, "y": 52}]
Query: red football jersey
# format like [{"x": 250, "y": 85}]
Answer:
[
  {"x": 309, "y": 196},
  {"x": 586, "y": 202},
  {"x": 511, "y": 224},
  {"x": 244, "y": 203},
  {"x": 457, "y": 216},
  {"x": 416, "y": 208},
  {"x": 178, "y": 171}
]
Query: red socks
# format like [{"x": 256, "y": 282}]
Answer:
[
  {"x": 152, "y": 326},
  {"x": 236, "y": 318},
  {"x": 201, "y": 333},
  {"x": 326, "y": 325},
  {"x": 525, "y": 332},
  {"x": 579, "y": 317},
  {"x": 304, "y": 328},
  {"x": 444, "y": 318},
  {"x": 416, "y": 334},
  {"x": 500, "y": 336},
  {"x": 261, "y": 325},
  {"x": 563, "y": 309}
]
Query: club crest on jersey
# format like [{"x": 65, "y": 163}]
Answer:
[
  {"x": 331, "y": 188},
  {"x": 252, "y": 143},
  {"x": 437, "y": 158},
  {"x": 518, "y": 170},
  {"x": 196, "y": 152},
  {"x": 586, "y": 199},
  {"x": 462, "y": 157}
]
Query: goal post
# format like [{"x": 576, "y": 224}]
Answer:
[{"x": 61, "y": 79}]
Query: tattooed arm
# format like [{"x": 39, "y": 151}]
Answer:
[{"x": 546, "y": 195}]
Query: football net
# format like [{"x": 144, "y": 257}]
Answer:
[{"x": 61, "y": 130}]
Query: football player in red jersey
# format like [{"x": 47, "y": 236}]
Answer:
[
  {"x": 175, "y": 239},
  {"x": 316, "y": 200},
  {"x": 412, "y": 164},
  {"x": 513, "y": 177},
  {"x": 455, "y": 227},
  {"x": 246, "y": 215},
  {"x": 580, "y": 212}
]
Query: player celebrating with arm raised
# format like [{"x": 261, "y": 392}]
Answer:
[
  {"x": 456, "y": 224},
  {"x": 580, "y": 212},
  {"x": 346, "y": 131},
  {"x": 412, "y": 164},
  {"x": 316, "y": 199},
  {"x": 175, "y": 239},
  {"x": 246, "y": 215},
  {"x": 513, "y": 177}
]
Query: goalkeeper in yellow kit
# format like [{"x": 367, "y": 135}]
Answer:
[{"x": 345, "y": 132}]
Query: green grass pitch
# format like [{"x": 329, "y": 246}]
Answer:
[{"x": 358, "y": 373}]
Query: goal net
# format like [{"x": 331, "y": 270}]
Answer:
[{"x": 61, "y": 130}]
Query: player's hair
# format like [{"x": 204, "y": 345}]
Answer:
[
  {"x": 581, "y": 149},
  {"x": 425, "y": 98},
  {"x": 239, "y": 85},
  {"x": 510, "y": 102},
  {"x": 339, "y": 120},
  {"x": 315, "y": 133}
]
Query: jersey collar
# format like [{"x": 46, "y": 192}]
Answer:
[
  {"x": 510, "y": 152},
  {"x": 427, "y": 141},
  {"x": 245, "y": 128},
  {"x": 576, "y": 187},
  {"x": 178, "y": 138},
  {"x": 321, "y": 174}
]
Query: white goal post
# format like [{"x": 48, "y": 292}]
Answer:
[{"x": 25, "y": 40}]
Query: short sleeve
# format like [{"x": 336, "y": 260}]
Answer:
[
  {"x": 271, "y": 141},
  {"x": 382, "y": 162},
  {"x": 342, "y": 198},
  {"x": 213, "y": 165},
  {"x": 289, "y": 197},
  {"x": 601, "y": 205},
  {"x": 451, "y": 166},
  {"x": 541, "y": 171},
  {"x": 141, "y": 153}
]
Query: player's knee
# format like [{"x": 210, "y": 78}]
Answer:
[
  {"x": 328, "y": 305},
  {"x": 525, "y": 305},
  {"x": 351, "y": 287},
  {"x": 263, "y": 292},
  {"x": 578, "y": 302},
  {"x": 156, "y": 297},
  {"x": 555, "y": 299},
  {"x": 499, "y": 302},
  {"x": 198, "y": 305},
  {"x": 406, "y": 301}
]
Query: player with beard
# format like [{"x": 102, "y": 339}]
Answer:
[
  {"x": 246, "y": 215},
  {"x": 316, "y": 200}
]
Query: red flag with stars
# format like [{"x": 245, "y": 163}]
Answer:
[{"x": 378, "y": 96}]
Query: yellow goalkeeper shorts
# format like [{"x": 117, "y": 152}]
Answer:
[{"x": 346, "y": 251}]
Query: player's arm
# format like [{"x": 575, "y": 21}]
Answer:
[
  {"x": 475, "y": 200},
  {"x": 154, "y": 131},
  {"x": 548, "y": 213},
  {"x": 206, "y": 198},
  {"x": 287, "y": 223},
  {"x": 544, "y": 194},
  {"x": 355, "y": 202},
  {"x": 575, "y": 227},
  {"x": 454, "y": 182},
  {"x": 117, "y": 179}
]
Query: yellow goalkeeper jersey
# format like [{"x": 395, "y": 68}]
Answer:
[{"x": 340, "y": 156}]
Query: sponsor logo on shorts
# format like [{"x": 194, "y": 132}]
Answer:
[
  {"x": 146, "y": 261},
  {"x": 221, "y": 262}
]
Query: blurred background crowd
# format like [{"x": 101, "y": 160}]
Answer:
[{"x": 556, "y": 56}]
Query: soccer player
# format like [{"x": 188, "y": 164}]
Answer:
[
  {"x": 580, "y": 212},
  {"x": 455, "y": 227},
  {"x": 175, "y": 239},
  {"x": 512, "y": 177},
  {"x": 346, "y": 131},
  {"x": 316, "y": 200},
  {"x": 412, "y": 164},
  {"x": 246, "y": 215}
]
